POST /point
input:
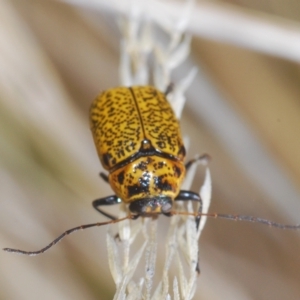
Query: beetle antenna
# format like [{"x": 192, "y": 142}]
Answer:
[
  {"x": 243, "y": 218},
  {"x": 33, "y": 253}
]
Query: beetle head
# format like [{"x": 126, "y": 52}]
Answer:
[{"x": 151, "y": 206}]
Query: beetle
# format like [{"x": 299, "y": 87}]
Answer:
[
  {"x": 138, "y": 140},
  {"x": 139, "y": 143}
]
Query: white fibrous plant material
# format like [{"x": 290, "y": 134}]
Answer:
[{"x": 142, "y": 51}]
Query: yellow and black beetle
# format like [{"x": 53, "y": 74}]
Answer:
[{"x": 139, "y": 143}]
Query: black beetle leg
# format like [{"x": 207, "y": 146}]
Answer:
[
  {"x": 204, "y": 159},
  {"x": 110, "y": 200},
  {"x": 169, "y": 88},
  {"x": 191, "y": 196},
  {"x": 104, "y": 177}
]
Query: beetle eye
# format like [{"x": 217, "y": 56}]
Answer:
[{"x": 166, "y": 207}]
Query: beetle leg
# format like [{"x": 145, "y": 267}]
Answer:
[
  {"x": 110, "y": 200},
  {"x": 169, "y": 88},
  {"x": 203, "y": 159},
  {"x": 104, "y": 177},
  {"x": 191, "y": 196}
]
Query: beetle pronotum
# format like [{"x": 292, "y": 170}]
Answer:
[{"x": 138, "y": 140}]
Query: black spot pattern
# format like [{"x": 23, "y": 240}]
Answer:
[
  {"x": 162, "y": 184},
  {"x": 121, "y": 178}
]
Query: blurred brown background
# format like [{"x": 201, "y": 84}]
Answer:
[{"x": 243, "y": 109}]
